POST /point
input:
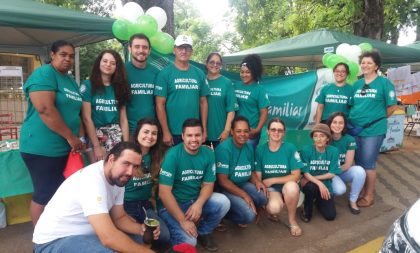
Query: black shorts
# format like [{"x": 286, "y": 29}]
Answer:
[{"x": 46, "y": 173}]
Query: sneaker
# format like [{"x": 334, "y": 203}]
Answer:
[{"x": 207, "y": 242}]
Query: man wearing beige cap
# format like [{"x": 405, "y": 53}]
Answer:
[{"x": 181, "y": 92}]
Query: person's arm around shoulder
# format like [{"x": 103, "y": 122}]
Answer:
[
  {"x": 113, "y": 238},
  {"x": 44, "y": 103}
]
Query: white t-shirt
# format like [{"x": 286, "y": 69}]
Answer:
[{"x": 84, "y": 193}]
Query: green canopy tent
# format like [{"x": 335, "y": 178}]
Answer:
[
  {"x": 306, "y": 50},
  {"x": 30, "y": 27}
]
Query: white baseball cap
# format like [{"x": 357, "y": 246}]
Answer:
[{"x": 183, "y": 40}]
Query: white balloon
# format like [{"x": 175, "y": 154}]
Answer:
[
  {"x": 354, "y": 53},
  {"x": 159, "y": 14},
  {"x": 327, "y": 75},
  {"x": 131, "y": 11},
  {"x": 342, "y": 49}
]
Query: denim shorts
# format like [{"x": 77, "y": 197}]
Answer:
[
  {"x": 276, "y": 188},
  {"x": 368, "y": 150}
]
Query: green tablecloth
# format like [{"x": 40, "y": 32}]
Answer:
[{"x": 14, "y": 176}]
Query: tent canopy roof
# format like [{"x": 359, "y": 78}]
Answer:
[
  {"x": 30, "y": 27},
  {"x": 306, "y": 50}
]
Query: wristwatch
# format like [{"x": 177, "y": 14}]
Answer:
[{"x": 83, "y": 139}]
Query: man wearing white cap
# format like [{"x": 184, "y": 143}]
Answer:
[{"x": 181, "y": 92}]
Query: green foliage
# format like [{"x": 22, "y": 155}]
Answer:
[{"x": 188, "y": 21}]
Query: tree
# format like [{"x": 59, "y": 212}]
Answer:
[{"x": 167, "y": 5}]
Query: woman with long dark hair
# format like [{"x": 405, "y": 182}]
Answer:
[
  {"x": 104, "y": 97},
  {"x": 346, "y": 146},
  {"x": 140, "y": 191}
]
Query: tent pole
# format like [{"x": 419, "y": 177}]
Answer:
[{"x": 77, "y": 64}]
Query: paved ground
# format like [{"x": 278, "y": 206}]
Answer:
[{"x": 397, "y": 188}]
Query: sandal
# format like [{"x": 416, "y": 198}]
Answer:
[
  {"x": 303, "y": 217},
  {"x": 295, "y": 230},
  {"x": 363, "y": 202}
]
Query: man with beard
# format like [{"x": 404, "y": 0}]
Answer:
[
  {"x": 181, "y": 92},
  {"x": 141, "y": 79},
  {"x": 86, "y": 214},
  {"x": 187, "y": 202}
]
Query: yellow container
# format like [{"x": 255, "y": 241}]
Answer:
[{"x": 17, "y": 208}]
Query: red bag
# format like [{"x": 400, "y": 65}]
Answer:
[
  {"x": 184, "y": 248},
  {"x": 74, "y": 163}
]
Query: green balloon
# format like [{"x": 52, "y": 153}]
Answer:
[
  {"x": 351, "y": 79},
  {"x": 162, "y": 42},
  {"x": 120, "y": 29},
  {"x": 366, "y": 47},
  {"x": 325, "y": 58},
  {"x": 147, "y": 25},
  {"x": 334, "y": 59},
  {"x": 354, "y": 68}
]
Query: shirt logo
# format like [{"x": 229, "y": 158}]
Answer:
[
  {"x": 82, "y": 88},
  {"x": 392, "y": 94}
]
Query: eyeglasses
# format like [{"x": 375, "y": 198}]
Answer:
[
  {"x": 217, "y": 63},
  {"x": 363, "y": 91},
  {"x": 279, "y": 130},
  {"x": 187, "y": 48},
  {"x": 340, "y": 71}
]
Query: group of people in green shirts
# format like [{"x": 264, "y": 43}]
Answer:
[{"x": 171, "y": 112}]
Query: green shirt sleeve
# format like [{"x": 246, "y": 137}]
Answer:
[
  {"x": 86, "y": 91},
  {"x": 222, "y": 160},
  {"x": 43, "y": 79},
  {"x": 335, "y": 161},
  {"x": 351, "y": 143},
  {"x": 167, "y": 171},
  {"x": 321, "y": 97},
  {"x": 263, "y": 101},
  {"x": 210, "y": 171},
  {"x": 390, "y": 96},
  {"x": 305, "y": 159},
  {"x": 258, "y": 159},
  {"x": 161, "y": 86},
  {"x": 231, "y": 102},
  {"x": 294, "y": 160},
  {"x": 204, "y": 89}
]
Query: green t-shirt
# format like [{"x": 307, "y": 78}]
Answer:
[
  {"x": 373, "y": 105},
  {"x": 140, "y": 188},
  {"x": 103, "y": 104},
  {"x": 316, "y": 163},
  {"x": 35, "y": 137},
  {"x": 237, "y": 163},
  {"x": 186, "y": 172},
  {"x": 335, "y": 99},
  {"x": 142, "y": 101},
  {"x": 221, "y": 101},
  {"x": 182, "y": 90},
  {"x": 279, "y": 163},
  {"x": 251, "y": 99},
  {"x": 344, "y": 144}
]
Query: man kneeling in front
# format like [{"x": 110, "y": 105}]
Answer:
[{"x": 86, "y": 214}]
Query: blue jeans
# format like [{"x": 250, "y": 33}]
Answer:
[
  {"x": 368, "y": 150},
  {"x": 135, "y": 210},
  {"x": 213, "y": 211},
  {"x": 356, "y": 175},
  {"x": 254, "y": 142},
  {"x": 240, "y": 212},
  {"x": 77, "y": 244}
]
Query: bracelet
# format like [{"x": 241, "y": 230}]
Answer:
[{"x": 83, "y": 139}]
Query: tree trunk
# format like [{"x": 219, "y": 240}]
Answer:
[
  {"x": 167, "y": 5},
  {"x": 370, "y": 23},
  {"x": 395, "y": 34},
  {"x": 418, "y": 25}
]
